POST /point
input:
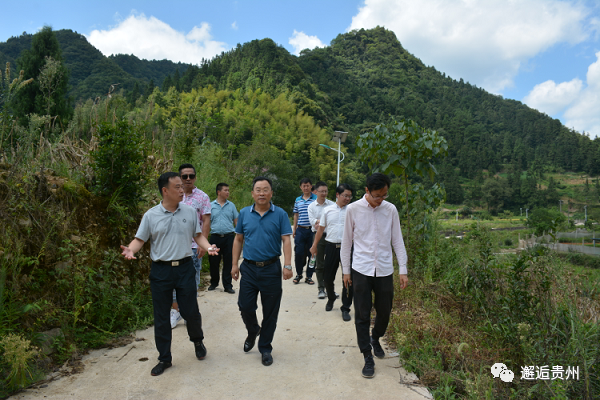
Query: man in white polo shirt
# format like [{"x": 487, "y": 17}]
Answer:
[
  {"x": 315, "y": 210},
  {"x": 332, "y": 222},
  {"x": 373, "y": 227},
  {"x": 169, "y": 227}
]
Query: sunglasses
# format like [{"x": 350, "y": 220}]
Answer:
[{"x": 190, "y": 176}]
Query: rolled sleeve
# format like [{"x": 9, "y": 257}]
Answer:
[{"x": 398, "y": 244}]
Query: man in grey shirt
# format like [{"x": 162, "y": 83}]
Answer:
[{"x": 169, "y": 227}]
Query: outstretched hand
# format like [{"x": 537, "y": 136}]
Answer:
[
  {"x": 213, "y": 250},
  {"x": 127, "y": 253}
]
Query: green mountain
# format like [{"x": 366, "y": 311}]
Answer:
[
  {"x": 360, "y": 80},
  {"x": 92, "y": 73}
]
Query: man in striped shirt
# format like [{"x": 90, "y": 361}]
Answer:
[
  {"x": 373, "y": 226},
  {"x": 302, "y": 231}
]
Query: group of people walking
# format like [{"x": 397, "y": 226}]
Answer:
[{"x": 186, "y": 225}]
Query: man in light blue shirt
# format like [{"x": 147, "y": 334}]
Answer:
[
  {"x": 223, "y": 218},
  {"x": 168, "y": 227}
]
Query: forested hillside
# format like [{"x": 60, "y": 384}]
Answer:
[
  {"x": 357, "y": 82},
  {"x": 91, "y": 73}
]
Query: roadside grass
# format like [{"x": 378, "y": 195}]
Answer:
[{"x": 467, "y": 308}]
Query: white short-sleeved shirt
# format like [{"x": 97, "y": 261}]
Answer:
[
  {"x": 333, "y": 220},
  {"x": 315, "y": 210},
  {"x": 169, "y": 233}
]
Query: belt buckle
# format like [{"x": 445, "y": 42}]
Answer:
[
  {"x": 174, "y": 263},
  {"x": 260, "y": 264}
]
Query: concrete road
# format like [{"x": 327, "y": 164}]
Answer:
[{"x": 314, "y": 351}]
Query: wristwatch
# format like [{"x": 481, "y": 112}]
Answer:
[{"x": 288, "y": 267}]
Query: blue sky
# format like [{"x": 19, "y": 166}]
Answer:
[{"x": 545, "y": 53}]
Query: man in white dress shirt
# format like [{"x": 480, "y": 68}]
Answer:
[{"x": 373, "y": 227}]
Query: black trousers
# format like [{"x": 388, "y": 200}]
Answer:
[
  {"x": 163, "y": 279},
  {"x": 332, "y": 263},
  {"x": 225, "y": 244},
  {"x": 320, "y": 262},
  {"x": 266, "y": 281},
  {"x": 364, "y": 286},
  {"x": 302, "y": 243}
]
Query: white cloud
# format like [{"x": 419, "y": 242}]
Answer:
[
  {"x": 584, "y": 113},
  {"x": 301, "y": 41},
  {"x": 551, "y": 98},
  {"x": 234, "y": 26},
  {"x": 578, "y": 103},
  {"x": 153, "y": 39},
  {"x": 482, "y": 41}
]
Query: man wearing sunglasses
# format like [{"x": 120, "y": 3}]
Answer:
[
  {"x": 373, "y": 226},
  {"x": 196, "y": 198}
]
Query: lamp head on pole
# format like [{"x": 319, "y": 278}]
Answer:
[{"x": 339, "y": 136}]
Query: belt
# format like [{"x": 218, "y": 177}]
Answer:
[
  {"x": 262, "y": 263},
  {"x": 224, "y": 235},
  {"x": 304, "y": 227},
  {"x": 337, "y": 245},
  {"x": 174, "y": 263}
]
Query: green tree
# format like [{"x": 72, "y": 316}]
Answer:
[
  {"x": 8, "y": 90},
  {"x": 544, "y": 220},
  {"x": 495, "y": 191},
  {"x": 33, "y": 61},
  {"x": 404, "y": 148}
]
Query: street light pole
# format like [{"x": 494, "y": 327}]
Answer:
[
  {"x": 585, "y": 208},
  {"x": 340, "y": 137},
  {"x": 560, "y": 205},
  {"x": 527, "y": 213}
]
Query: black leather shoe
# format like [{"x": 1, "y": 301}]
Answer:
[
  {"x": 200, "y": 350},
  {"x": 329, "y": 305},
  {"x": 212, "y": 287},
  {"x": 230, "y": 290},
  {"x": 160, "y": 368},
  {"x": 368, "y": 370},
  {"x": 377, "y": 349},
  {"x": 346, "y": 316},
  {"x": 267, "y": 359},
  {"x": 250, "y": 340}
]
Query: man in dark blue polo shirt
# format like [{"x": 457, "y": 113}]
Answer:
[{"x": 261, "y": 229}]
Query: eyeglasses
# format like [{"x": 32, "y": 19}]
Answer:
[
  {"x": 347, "y": 196},
  {"x": 379, "y": 197},
  {"x": 259, "y": 191},
  {"x": 185, "y": 177}
]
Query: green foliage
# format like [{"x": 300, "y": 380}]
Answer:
[
  {"x": 32, "y": 99},
  {"x": 118, "y": 162},
  {"x": 545, "y": 220},
  {"x": 472, "y": 308},
  {"x": 8, "y": 91},
  {"x": 18, "y": 354},
  {"x": 404, "y": 148}
]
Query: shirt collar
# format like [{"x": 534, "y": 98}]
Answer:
[
  {"x": 271, "y": 208},
  {"x": 312, "y": 197},
  {"x": 366, "y": 203},
  {"x": 164, "y": 210}
]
